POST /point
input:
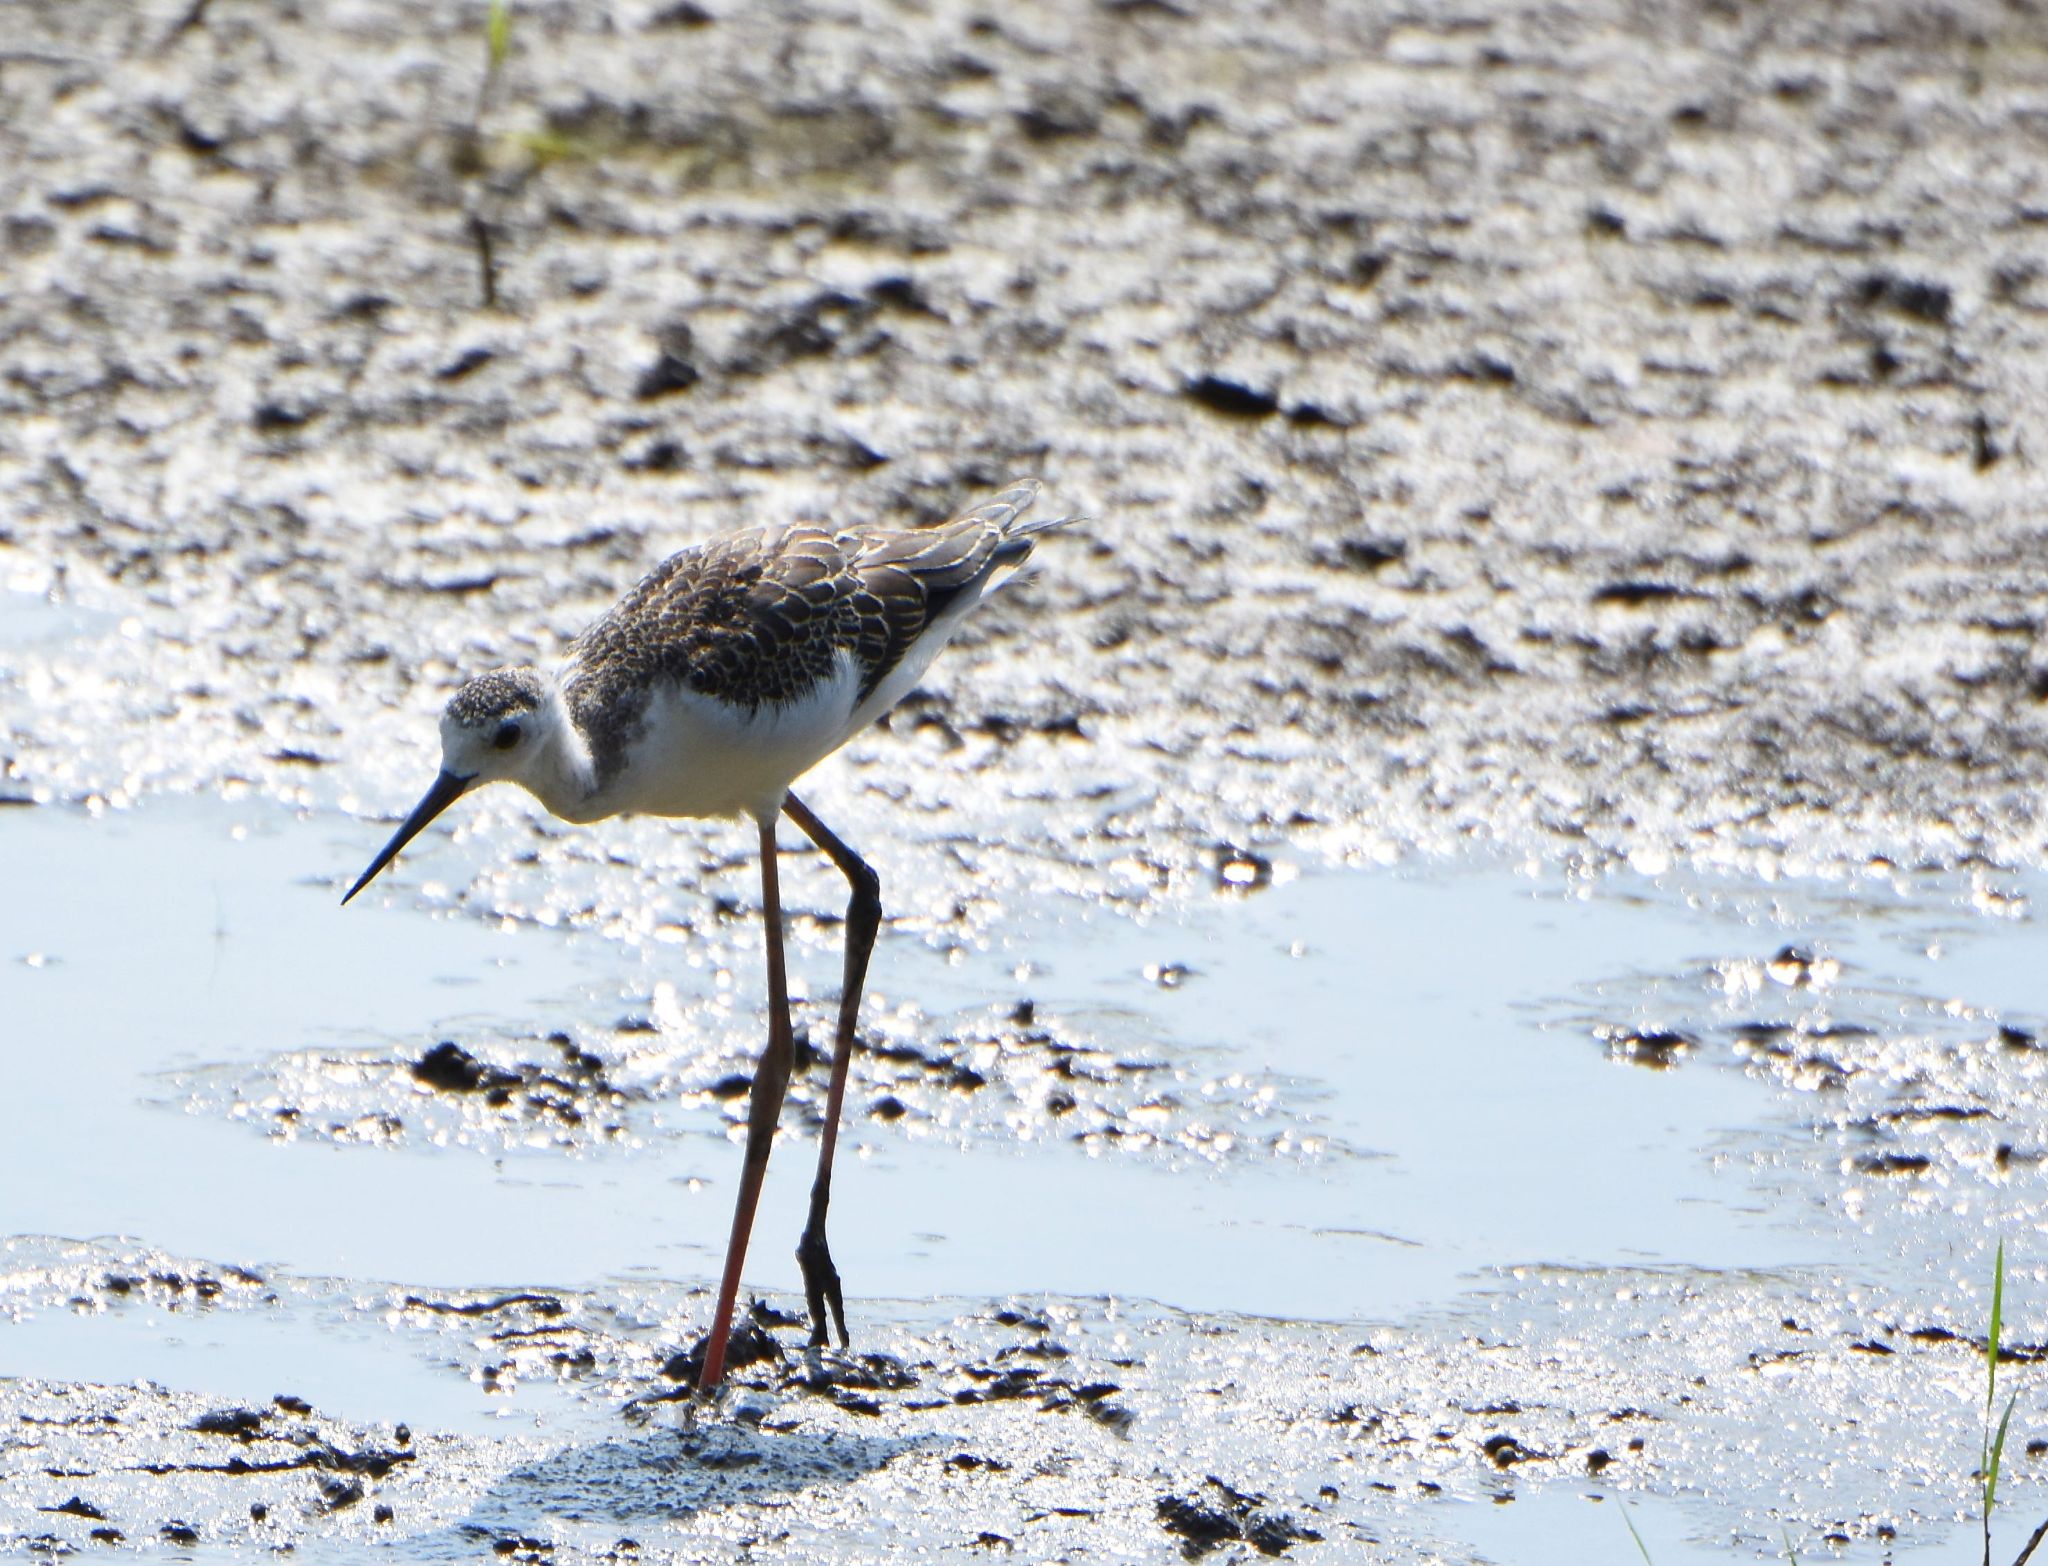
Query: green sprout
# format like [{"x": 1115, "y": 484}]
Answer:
[
  {"x": 1993, "y": 1449},
  {"x": 498, "y": 34}
]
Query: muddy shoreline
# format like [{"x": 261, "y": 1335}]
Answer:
[{"x": 1586, "y": 432}]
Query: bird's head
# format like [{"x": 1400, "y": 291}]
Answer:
[{"x": 493, "y": 729}]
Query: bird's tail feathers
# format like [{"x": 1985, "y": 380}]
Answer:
[
  {"x": 1001, "y": 510},
  {"x": 1019, "y": 537}
]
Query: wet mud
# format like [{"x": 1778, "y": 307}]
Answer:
[
  {"x": 1053, "y": 1425},
  {"x": 1480, "y": 448},
  {"x": 1596, "y": 438}
]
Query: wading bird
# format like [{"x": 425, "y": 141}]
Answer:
[{"x": 733, "y": 668}]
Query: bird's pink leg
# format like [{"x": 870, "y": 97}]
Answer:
[
  {"x": 764, "y": 1108},
  {"x": 863, "y": 920}
]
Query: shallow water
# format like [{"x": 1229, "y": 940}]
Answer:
[
  {"x": 1574, "y": 1523},
  {"x": 1409, "y": 1072}
]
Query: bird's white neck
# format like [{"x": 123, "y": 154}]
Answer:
[{"x": 562, "y": 775}]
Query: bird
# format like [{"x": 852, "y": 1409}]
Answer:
[{"x": 729, "y": 671}]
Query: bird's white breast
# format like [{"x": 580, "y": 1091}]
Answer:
[{"x": 698, "y": 756}]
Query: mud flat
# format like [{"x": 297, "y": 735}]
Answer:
[{"x": 1471, "y": 937}]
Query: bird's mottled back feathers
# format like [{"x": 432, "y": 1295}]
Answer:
[{"x": 763, "y": 614}]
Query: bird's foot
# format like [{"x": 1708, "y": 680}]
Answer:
[{"x": 821, "y": 1286}]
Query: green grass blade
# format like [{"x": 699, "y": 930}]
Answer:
[
  {"x": 1997, "y": 1451},
  {"x": 1636, "y": 1536},
  {"x": 1791, "y": 1554},
  {"x": 1997, "y": 1320},
  {"x": 498, "y": 33},
  {"x": 1988, "y": 1452}
]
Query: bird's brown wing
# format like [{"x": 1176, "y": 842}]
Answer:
[
  {"x": 909, "y": 577},
  {"x": 748, "y": 617},
  {"x": 762, "y": 615}
]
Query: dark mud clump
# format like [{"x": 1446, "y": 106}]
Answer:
[
  {"x": 452, "y": 1069},
  {"x": 751, "y": 1343},
  {"x": 369, "y": 1097},
  {"x": 1217, "y": 1515},
  {"x": 449, "y": 1068}
]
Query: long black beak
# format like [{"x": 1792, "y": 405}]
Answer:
[{"x": 446, "y": 790}]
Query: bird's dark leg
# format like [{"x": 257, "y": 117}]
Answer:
[
  {"x": 863, "y": 920},
  {"x": 764, "y": 1107}
]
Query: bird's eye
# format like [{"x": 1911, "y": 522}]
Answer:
[{"x": 507, "y": 735}]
